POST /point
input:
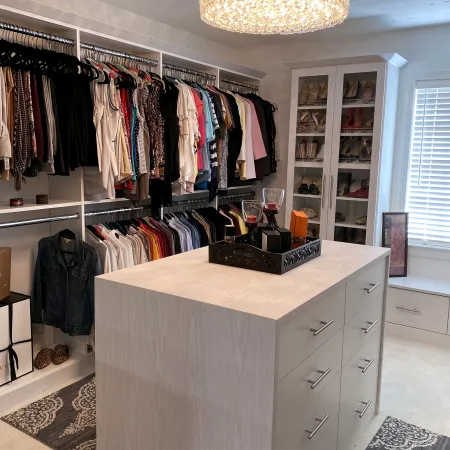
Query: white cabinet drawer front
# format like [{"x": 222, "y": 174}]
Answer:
[
  {"x": 315, "y": 426},
  {"x": 366, "y": 287},
  {"x": 418, "y": 310},
  {"x": 359, "y": 392},
  {"x": 301, "y": 336},
  {"x": 309, "y": 378},
  {"x": 361, "y": 328}
]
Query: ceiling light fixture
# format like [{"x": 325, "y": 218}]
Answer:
[{"x": 274, "y": 16}]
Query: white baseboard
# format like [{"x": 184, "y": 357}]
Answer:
[
  {"x": 415, "y": 334},
  {"x": 28, "y": 388}
]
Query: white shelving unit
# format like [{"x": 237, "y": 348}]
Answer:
[
  {"x": 66, "y": 197},
  {"x": 340, "y": 166}
]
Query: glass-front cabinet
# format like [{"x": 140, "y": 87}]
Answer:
[{"x": 340, "y": 148}]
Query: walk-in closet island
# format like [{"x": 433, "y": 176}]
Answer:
[{"x": 197, "y": 356}]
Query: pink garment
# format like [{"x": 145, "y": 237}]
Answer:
[
  {"x": 201, "y": 127},
  {"x": 259, "y": 150}
]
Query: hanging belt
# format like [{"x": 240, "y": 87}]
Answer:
[{"x": 13, "y": 358}]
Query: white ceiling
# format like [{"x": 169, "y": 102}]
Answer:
[{"x": 366, "y": 16}]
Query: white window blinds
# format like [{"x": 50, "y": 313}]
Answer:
[{"x": 428, "y": 195}]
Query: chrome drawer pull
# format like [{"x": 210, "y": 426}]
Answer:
[
  {"x": 372, "y": 324},
  {"x": 314, "y": 384},
  {"x": 369, "y": 363},
  {"x": 325, "y": 326},
  {"x": 319, "y": 426},
  {"x": 413, "y": 311},
  {"x": 361, "y": 413},
  {"x": 370, "y": 290}
]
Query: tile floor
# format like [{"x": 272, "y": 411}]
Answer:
[{"x": 416, "y": 388}]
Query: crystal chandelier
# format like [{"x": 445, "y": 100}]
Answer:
[{"x": 274, "y": 16}]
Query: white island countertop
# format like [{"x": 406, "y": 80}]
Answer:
[{"x": 191, "y": 276}]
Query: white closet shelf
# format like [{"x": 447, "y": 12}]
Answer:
[
  {"x": 303, "y": 107},
  {"x": 353, "y": 199},
  {"x": 358, "y": 105},
  {"x": 355, "y": 166},
  {"x": 30, "y": 205},
  {"x": 315, "y": 221},
  {"x": 356, "y": 134},
  {"x": 350, "y": 223},
  {"x": 106, "y": 200},
  {"x": 310, "y": 134},
  {"x": 317, "y": 164},
  {"x": 308, "y": 196}
]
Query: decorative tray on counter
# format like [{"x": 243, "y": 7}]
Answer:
[{"x": 248, "y": 257}]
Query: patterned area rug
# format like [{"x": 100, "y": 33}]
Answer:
[
  {"x": 64, "y": 420},
  {"x": 395, "y": 434}
]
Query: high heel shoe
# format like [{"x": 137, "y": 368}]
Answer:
[
  {"x": 353, "y": 89},
  {"x": 311, "y": 150},
  {"x": 369, "y": 124},
  {"x": 300, "y": 151},
  {"x": 303, "y": 95},
  {"x": 302, "y": 124},
  {"x": 323, "y": 92},
  {"x": 358, "y": 119},
  {"x": 366, "y": 150},
  {"x": 368, "y": 91},
  {"x": 348, "y": 120},
  {"x": 313, "y": 97}
]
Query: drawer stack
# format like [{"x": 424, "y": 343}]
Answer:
[{"x": 328, "y": 366}]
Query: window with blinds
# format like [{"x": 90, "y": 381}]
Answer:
[{"x": 428, "y": 192}]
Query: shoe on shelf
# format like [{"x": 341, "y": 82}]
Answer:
[
  {"x": 348, "y": 120},
  {"x": 310, "y": 213},
  {"x": 360, "y": 193},
  {"x": 368, "y": 91},
  {"x": 313, "y": 97},
  {"x": 313, "y": 189},
  {"x": 302, "y": 125},
  {"x": 303, "y": 189},
  {"x": 361, "y": 220},
  {"x": 312, "y": 233},
  {"x": 311, "y": 150},
  {"x": 339, "y": 217},
  {"x": 323, "y": 92},
  {"x": 352, "y": 91},
  {"x": 359, "y": 118},
  {"x": 43, "y": 358},
  {"x": 300, "y": 151},
  {"x": 320, "y": 155},
  {"x": 366, "y": 150},
  {"x": 303, "y": 95},
  {"x": 60, "y": 354}
]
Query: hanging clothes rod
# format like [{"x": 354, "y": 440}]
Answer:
[
  {"x": 207, "y": 76},
  {"x": 115, "y": 211},
  {"x": 229, "y": 198},
  {"x": 235, "y": 83},
  {"x": 21, "y": 223},
  {"x": 34, "y": 33},
  {"x": 107, "y": 51}
]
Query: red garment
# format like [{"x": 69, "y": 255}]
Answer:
[{"x": 201, "y": 127}]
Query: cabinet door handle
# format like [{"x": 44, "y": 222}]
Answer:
[
  {"x": 366, "y": 407},
  {"x": 331, "y": 192},
  {"x": 319, "y": 426},
  {"x": 324, "y": 184},
  {"x": 371, "y": 289},
  {"x": 314, "y": 384},
  {"x": 369, "y": 363},
  {"x": 413, "y": 311},
  {"x": 372, "y": 324},
  {"x": 325, "y": 326}
]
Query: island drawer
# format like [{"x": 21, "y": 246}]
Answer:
[{"x": 306, "y": 332}]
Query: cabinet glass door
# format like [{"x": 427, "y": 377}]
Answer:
[
  {"x": 313, "y": 135},
  {"x": 351, "y": 164}
]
